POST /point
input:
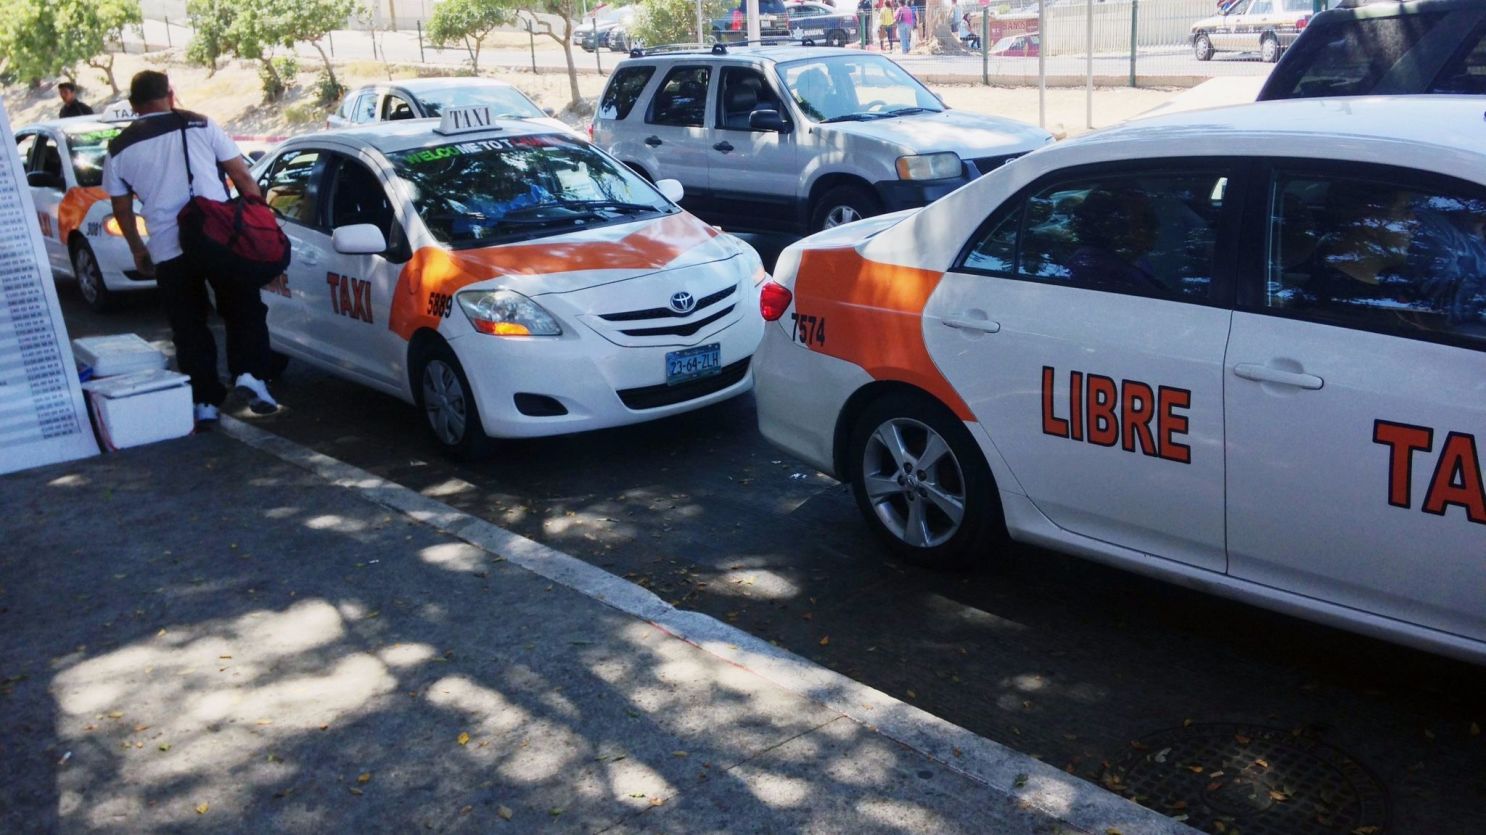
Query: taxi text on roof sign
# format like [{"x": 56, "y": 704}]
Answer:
[
  {"x": 120, "y": 113},
  {"x": 465, "y": 119}
]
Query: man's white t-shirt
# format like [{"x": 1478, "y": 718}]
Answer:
[{"x": 146, "y": 159}]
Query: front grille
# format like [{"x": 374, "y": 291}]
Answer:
[
  {"x": 688, "y": 329},
  {"x": 666, "y": 312},
  {"x": 654, "y": 397},
  {"x": 985, "y": 165}
]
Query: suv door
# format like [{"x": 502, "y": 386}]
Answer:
[
  {"x": 1084, "y": 326},
  {"x": 678, "y": 136},
  {"x": 1356, "y": 378},
  {"x": 754, "y": 174}
]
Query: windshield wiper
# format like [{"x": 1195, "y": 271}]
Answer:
[
  {"x": 852, "y": 117},
  {"x": 908, "y": 111},
  {"x": 589, "y": 206}
]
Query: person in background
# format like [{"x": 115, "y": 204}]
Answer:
[
  {"x": 954, "y": 18},
  {"x": 148, "y": 161},
  {"x": 886, "y": 22},
  {"x": 71, "y": 104},
  {"x": 905, "y": 19}
]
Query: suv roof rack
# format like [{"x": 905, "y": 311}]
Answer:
[{"x": 716, "y": 48}]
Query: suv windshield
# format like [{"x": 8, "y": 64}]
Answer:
[
  {"x": 503, "y": 101},
  {"x": 490, "y": 191},
  {"x": 855, "y": 88},
  {"x": 88, "y": 149}
]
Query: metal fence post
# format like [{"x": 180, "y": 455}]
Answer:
[
  {"x": 531, "y": 36},
  {"x": 421, "y": 59},
  {"x": 866, "y": 27},
  {"x": 168, "y": 44},
  {"x": 985, "y": 45},
  {"x": 1134, "y": 17}
]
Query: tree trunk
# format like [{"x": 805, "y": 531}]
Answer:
[
  {"x": 278, "y": 82},
  {"x": 108, "y": 72},
  {"x": 329, "y": 70}
]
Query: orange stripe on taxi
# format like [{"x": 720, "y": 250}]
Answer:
[
  {"x": 875, "y": 311},
  {"x": 74, "y": 207},
  {"x": 436, "y": 270}
]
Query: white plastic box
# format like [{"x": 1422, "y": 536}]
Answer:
[
  {"x": 141, "y": 408},
  {"x": 118, "y": 354}
]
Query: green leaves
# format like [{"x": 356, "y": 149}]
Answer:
[
  {"x": 469, "y": 22},
  {"x": 41, "y": 38}
]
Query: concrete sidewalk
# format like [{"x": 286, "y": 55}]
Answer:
[{"x": 248, "y": 636}]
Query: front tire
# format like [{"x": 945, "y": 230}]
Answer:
[
  {"x": 836, "y": 37},
  {"x": 1269, "y": 49},
  {"x": 923, "y": 484},
  {"x": 90, "y": 278},
  {"x": 1202, "y": 48},
  {"x": 448, "y": 403},
  {"x": 844, "y": 204}
]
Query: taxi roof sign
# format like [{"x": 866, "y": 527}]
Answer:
[
  {"x": 465, "y": 119},
  {"x": 120, "y": 112}
]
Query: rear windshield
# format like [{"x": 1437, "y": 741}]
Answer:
[
  {"x": 1466, "y": 73},
  {"x": 504, "y": 102},
  {"x": 491, "y": 191},
  {"x": 1347, "y": 60},
  {"x": 88, "y": 150}
]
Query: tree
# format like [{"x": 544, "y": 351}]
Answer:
[
  {"x": 541, "y": 14},
  {"x": 674, "y": 21},
  {"x": 41, "y": 38},
  {"x": 89, "y": 27},
  {"x": 253, "y": 29},
  {"x": 470, "y": 21},
  {"x": 28, "y": 40}
]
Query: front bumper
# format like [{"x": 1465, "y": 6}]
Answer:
[
  {"x": 897, "y": 195},
  {"x": 117, "y": 264},
  {"x": 597, "y": 384}
]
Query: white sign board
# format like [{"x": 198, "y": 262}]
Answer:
[{"x": 42, "y": 419}]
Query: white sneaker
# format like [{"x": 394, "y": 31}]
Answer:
[
  {"x": 256, "y": 392},
  {"x": 207, "y": 413}
]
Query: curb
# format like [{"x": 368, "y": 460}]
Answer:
[{"x": 1028, "y": 783}]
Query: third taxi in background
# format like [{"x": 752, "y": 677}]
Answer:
[
  {"x": 1239, "y": 349},
  {"x": 511, "y": 281}
]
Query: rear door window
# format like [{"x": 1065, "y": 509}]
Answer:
[
  {"x": 623, "y": 91},
  {"x": 1466, "y": 72},
  {"x": 1348, "y": 60},
  {"x": 682, "y": 98}
]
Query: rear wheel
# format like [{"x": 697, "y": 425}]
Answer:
[
  {"x": 1269, "y": 49},
  {"x": 923, "y": 484},
  {"x": 836, "y": 37},
  {"x": 844, "y": 204},
  {"x": 1202, "y": 47},
  {"x": 90, "y": 278},
  {"x": 448, "y": 403}
]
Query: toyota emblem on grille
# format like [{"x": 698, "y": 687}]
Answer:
[{"x": 683, "y": 302}]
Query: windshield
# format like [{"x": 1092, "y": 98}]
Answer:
[
  {"x": 88, "y": 149},
  {"x": 855, "y": 88},
  {"x": 490, "y": 191},
  {"x": 503, "y": 101}
]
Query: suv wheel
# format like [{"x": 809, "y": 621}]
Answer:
[
  {"x": 1269, "y": 49},
  {"x": 836, "y": 37},
  {"x": 844, "y": 204},
  {"x": 1202, "y": 47}
]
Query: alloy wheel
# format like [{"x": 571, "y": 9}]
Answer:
[
  {"x": 841, "y": 214},
  {"x": 89, "y": 277},
  {"x": 914, "y": 483}
]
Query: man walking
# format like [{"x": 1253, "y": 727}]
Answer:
[
  {"x": 148, "y": 160},
  {"x": 71, "y": 104}
]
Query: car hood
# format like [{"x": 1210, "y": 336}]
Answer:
[
  {"x": 1210, "y": 22},
  {"x": 967, "y": 134}
]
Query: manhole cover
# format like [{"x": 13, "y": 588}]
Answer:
[{"x": 1253, "y": 781}]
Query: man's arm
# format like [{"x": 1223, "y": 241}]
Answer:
[
  {"x": 124, "y": 214},
  {"x": 237, "y": 171}
]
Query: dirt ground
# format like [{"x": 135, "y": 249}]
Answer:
[{"x": 233, "y": 97}]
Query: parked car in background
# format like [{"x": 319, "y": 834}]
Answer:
[
  {"x": 1267, "y": 27},
  {"x": 774, "y": 22},
  {"x": 421, "y": 98},
  {"x": 1025, "y": 45},
  {"x": 796, "y": 139},
  {"x": 823, "y": 23},
  {"x": 1425, "y": 46}
]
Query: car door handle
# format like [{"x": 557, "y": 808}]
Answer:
[
  {"x": 653, "y": 141},
  {"x": 724, "y": 146},
  {"x": 981, "y": 325},
  {"x": 1265, "y": 374}
]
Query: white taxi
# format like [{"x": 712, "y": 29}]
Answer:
[
  {"x": 63, "y": 160},
  {"x": 510, "y": 280},
  {"x": 1240, "y": 349}
]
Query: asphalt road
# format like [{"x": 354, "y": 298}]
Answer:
[{"x": 1242, "y": 720}]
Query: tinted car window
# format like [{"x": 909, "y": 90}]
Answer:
[
  {"x": 1467, "y": 72},
  {"x": 623, "y": 91},
  {"x": 502, "y": 101},
  {"x": 289, "y": 186},
  {"x": 365, "y": 109},
  {"x": 357, "y": 196},
  {"x": 1152, "y": 234},
  {"x": 88, "y": 150},
  {"x": 1379, "y": 255},
  {"x": 1348, "y": 60},
  {"x": 24, "y": 146},
  {"x": 681, "y": 99}
]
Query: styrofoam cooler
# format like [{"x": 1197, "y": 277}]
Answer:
[
  {"x": 141, "y": 408},
  {"x": 121, "y": 353}
]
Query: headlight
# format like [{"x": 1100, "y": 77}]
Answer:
[
  {"x": 940, "y": 166},
  {"x": 507, "y": 313},
  {"x": 112, "y": 227}
]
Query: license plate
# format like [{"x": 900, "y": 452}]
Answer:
[{"x": 693, "y": 363}]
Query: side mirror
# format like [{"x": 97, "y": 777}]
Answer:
[
  {"x": 256, "y": 155},
  {"x": 767, "y": 120},
  {"x": 550, "y": 111},
  {"x": 670, "y": 189},
  {"x": 45, "y": 179},
  {"x": 359, "y": 239}
]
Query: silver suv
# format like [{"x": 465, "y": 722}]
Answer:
[{"x": 793, "y": 138}]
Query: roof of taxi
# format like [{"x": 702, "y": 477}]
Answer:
[
  {"x": 407, "y": 134},
  {"x": 76, "y": 124},
  {"x": 1447, "y": 121}
]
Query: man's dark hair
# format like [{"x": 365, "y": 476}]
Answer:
[
  {"x": 67, "y": 87},
  {"x": 147, "y": 86}
]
